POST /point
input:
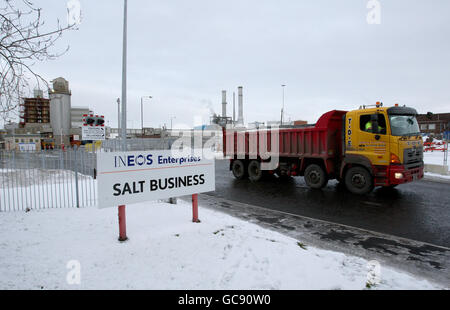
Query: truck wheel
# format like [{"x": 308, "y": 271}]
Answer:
[
  {"x": 359, "y": 181},
  {"x": 315, "y": 176},
  {"x": 255, "y": 173},
  {"x": 238, "y": 169}
]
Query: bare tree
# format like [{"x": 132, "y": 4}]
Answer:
[{"x": 23, "y": 42}]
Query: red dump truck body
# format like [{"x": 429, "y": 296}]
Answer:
[{"x": 322, "y": 141}]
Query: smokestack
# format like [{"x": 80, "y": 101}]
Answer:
[
  {"x": 224, "y": 103},
  {"x": 240, "y": 120},
  {"x": 234, "y": 107}
]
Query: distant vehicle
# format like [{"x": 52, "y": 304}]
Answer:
[{"x": 365, "y": 148}]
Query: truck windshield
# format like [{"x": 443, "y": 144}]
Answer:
[{"x": 404, "y": 125}]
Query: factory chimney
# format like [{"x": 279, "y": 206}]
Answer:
[
  {"x": 224, "y": 103},
  {"x": 240, "y": 120},
  {"x": 234, "y": 107}
]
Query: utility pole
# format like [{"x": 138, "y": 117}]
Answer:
[
  {"x": 121, "y": 209},
  {"x": 124, "y": 79},
  {"x": 118, "y": 116},
  {"x": 282, "y": 107}
]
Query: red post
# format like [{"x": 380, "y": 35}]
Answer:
[
  {"x": 195, "y": 209},
  {"x": 122, "y": 224}
]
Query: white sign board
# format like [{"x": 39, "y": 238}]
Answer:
[
  {"x": 93, "y": 133},
  {"x": 131, "y": 177},
  {"x": 26, "y": 147}
]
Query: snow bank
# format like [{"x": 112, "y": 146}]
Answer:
[
  {"x": 434, "y": 158},
  {"x": 167, "y": 251}
]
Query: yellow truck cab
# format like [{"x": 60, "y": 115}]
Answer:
[{"x": 385, "y": 142}]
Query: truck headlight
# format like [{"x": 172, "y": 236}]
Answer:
[{"x": 399, "y": 175}]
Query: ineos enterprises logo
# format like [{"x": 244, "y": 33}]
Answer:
[{"x": 137, "y": 160}]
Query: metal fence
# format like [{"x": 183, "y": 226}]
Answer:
[
  {"x": 47, "y": 179},
  {"x": 139, "y": 144},
  {"x": 60, "y": 178}
]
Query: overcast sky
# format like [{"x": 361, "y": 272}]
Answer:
[{"x": 183, "y": 53}]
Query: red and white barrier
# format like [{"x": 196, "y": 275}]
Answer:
[{"x": 440, "y": 146}]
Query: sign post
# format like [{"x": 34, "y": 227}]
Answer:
[
  {"x": 125, "y": 178},
  {"x": 93, "y": 133},
  {"x": 195, "y": 209},
  {"x": 122, "y": 224},
  {"x": 123, "y": 123},
  {"x": 93, "y": 128}
]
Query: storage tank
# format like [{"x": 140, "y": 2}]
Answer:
[{"x": 60, "y": 110}]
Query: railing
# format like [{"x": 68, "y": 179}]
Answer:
[
  {"x": 47, "y": 179},
  {"x": 440, "y": 146},
  {"x": 60, "y": 178}
]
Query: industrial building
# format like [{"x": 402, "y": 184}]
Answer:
[
  {"x": 435, "y": 124},
  {"x": 46, "y": 123},
  {"x": 224, "y": 120},
  {"x": 23, "y": 142},
  {"x": 35, "y": 110},
  {"x": 60, "y": 110},
  {"x": 77, "y": 116}
]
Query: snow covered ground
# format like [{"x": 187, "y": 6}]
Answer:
[
  {"x": 42, "y": 248},
  {"x": 433, "y": 158},
  {"x": 436, "y": 158}
]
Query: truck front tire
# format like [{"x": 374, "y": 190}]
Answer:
[
  {"x": 238, "y": 169},
  {"x": 255, "y": 173},
  {"x": 359, "y": 181},
  {"x": 315, "y": 176}
]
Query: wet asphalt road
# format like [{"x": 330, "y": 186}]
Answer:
[{"x": 418, "y": 211}]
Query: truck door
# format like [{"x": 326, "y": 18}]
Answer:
[{"x": 372, "y": 141}]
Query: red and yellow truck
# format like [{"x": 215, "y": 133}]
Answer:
[{"x": 364, "y": 148}]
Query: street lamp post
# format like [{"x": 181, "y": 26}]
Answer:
[
  {"x": 142, "y": 114},
  {"x": 118, "y": 117},
  {"x": 124, "y": 78},
  {"x": 122, "y": 217}
]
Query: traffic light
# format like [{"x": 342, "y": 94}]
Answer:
[
  {"x": 100, "y": 121},
  {"x": 93, "y": 120}
]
